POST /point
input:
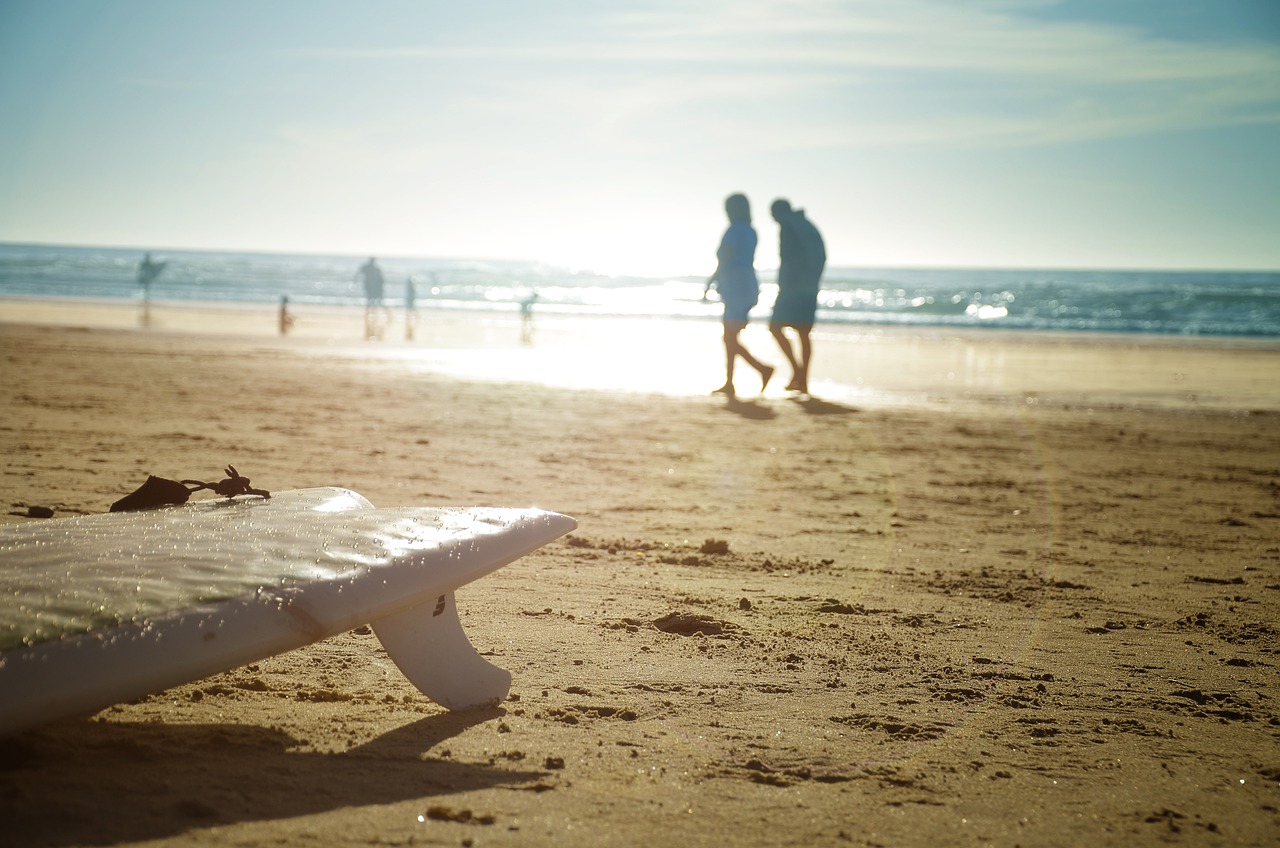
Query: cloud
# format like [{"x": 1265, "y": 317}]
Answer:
[
  {"x": 858, "y": 72},
  {"x": 1016, "y": 80}
]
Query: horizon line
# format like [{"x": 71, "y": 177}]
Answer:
[{"x": 1243, "y": 269}]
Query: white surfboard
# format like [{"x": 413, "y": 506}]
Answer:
[{"x": 100, "y": 609}]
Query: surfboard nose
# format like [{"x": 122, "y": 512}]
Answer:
[{"x": 561, "y": 523}]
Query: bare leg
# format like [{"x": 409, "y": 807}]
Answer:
[
  {"x": 806, "y": 354},
  {"x": 733, "y": 348},
  {"x": 779, "y": 335},
  {"x": 731, "y": 330}
]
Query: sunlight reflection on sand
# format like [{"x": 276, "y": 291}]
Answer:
[{"x": 852, "y": 364}]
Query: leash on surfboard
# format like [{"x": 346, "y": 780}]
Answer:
[{"x": 158, "y": 491}]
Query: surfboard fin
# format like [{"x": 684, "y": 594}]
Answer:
[{"x": 428, "y": 645}]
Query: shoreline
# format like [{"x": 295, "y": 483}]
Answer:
[
  {"x": 855, "y": 364},
  {"x": 334, "y": 321}
]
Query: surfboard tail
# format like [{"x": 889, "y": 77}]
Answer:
[{"x": 428, "y": 645}]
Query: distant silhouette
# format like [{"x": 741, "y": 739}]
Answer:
[
  {"x": 286, "y": 319},
  {"x": 148, "y": 270},
  {"x": 410, "y": 308},
  {"x": 371, "y": 275},
  {"x": 526, "y": 318},
  {"x": 735, "y": 281},
  {"x": 802, "y": 256}
]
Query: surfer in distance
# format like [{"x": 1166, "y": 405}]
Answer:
[
  {"x": 735, "y": 281},
  {"x": 148, "y": 270}
]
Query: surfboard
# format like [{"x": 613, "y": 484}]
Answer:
[{"x": 100, "y": 609}]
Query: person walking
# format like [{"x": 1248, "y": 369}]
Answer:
[
  {"x": 801, "y": 259},
  {"x": 739, "y": 290}
]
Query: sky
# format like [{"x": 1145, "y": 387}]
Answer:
[{"x": 600, "y": 135}]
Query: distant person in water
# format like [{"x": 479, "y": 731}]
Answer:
[
  {"x": 739, "y": 290},
  {"x": 410, "y": 308},
  {"x": 286, "y": 318},
  {"x": 526, "y": 317},
  {"x": 371, "y": 276},
  {"x": 801, "y": 258},
  {"x": 148, "y": 270}
]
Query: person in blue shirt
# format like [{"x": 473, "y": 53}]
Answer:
[
  {"x": 735, "y": 281},
  {"x": 801, "y": 259}
]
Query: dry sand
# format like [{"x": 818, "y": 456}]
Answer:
[{"x": 986, "y": 590}]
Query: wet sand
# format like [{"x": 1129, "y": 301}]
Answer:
[{"x": 981, "y": 589}]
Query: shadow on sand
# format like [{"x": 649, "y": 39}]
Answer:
[
  {"x": 757, "y": 411},
  {"x": 817, "y": 406},
  {"x": 101, "y": 783},
  {"x": 751, "y": 409}
]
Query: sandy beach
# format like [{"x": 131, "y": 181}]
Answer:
[{"x": 980, "y": 589}]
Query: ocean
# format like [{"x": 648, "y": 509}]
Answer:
[{"x": 1186, "y": 303}]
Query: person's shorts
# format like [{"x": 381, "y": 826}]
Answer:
[
  {"x": 738, "y": 301},
  {"x": 794, "y": 308},
  {"x": 737, "y": 309}
]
